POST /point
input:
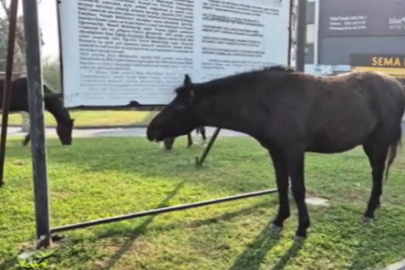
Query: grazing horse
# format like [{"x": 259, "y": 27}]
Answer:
[
  {"x": 168, "y": 143},
  {"x": 52, "y": 103},
  {"x": 290, "y": 113}
]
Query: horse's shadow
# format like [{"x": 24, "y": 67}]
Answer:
[
  {"x": 114, "y": 259},
  {"x": 253, "y": 257},
  {"x": 288, "y": 255},
  {"x": 138, "y": 231}
]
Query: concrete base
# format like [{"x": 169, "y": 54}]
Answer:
[
  {"x": 396, "y": 266},
  {"x": 317, "y": 201}
]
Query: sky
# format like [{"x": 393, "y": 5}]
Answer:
[{"x": 48, "y": 23}]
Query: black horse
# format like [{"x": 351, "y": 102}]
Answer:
[
  {"x": 290, "y": 113},
  {"x": 52, "y": 103},
  {"x": 168, "y": 143}
]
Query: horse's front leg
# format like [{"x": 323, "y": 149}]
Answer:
[
  {"x": 280, "y": 168},
  {"x": 294, "y": 158},
  {"x": 189, "y": 140}
]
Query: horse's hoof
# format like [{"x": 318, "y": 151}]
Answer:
[
  {"x": 275, "y": 229},
  {"x": 299, "y": 239},
  {"x": 368, "y": 220}
]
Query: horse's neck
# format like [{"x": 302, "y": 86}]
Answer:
[
  {"x": 60, "y": 113},
  {"x": 229, "y": 115}
]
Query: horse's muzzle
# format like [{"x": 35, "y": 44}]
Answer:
[{"x": 153, "y": 136}]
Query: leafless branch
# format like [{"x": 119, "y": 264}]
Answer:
[{"x": 5, "y": 8}]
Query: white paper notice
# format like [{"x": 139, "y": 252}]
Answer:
[{"x": 118, "y": 51}]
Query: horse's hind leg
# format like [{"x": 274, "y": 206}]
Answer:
[
  {"x": 377, "y": 154},
  {"x": 202, "y": 131},
  {"x": 26, "y": 139}
]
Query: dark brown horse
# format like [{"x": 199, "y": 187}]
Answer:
[
  {"x": 52, "y": 103},
  {"x": 168, "y": 143},
  {"x": 290, "y": 113}
]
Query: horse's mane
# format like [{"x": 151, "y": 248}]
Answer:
[{"x": 237, "y": 78}]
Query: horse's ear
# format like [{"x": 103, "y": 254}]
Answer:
[{"x": 187, "y": 80}]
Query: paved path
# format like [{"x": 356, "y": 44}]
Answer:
[
  {"x": 116, "y": 132},
  {"x": 124, "y": 132}
]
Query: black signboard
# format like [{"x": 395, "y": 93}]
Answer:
[{"x": 339, "y": 18}]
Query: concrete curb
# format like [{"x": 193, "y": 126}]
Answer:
[{"x": 396, "y": 266}]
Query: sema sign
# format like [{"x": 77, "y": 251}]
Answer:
[
  {"x": 393, "y": 65},
  {"x": 369, "y": 60},
  {"x": 115, "y": 52},
  {"x": 388, "y": 62}
]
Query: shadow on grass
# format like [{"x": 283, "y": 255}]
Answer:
[
  {"x": 194, "y": 224},
  {"x": 7, "y": 264},
  {"x": 138, "y": 231},
  {"x": 288, "y": 255},
  {"x": 369, "y": 251},
  {"x": 253, "y": 256},
  {"x": 141, "y": 228}
]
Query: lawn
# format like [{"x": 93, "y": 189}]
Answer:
[
  {"x": 97, "y": 118},
  {"x": 109, "y": 176}
]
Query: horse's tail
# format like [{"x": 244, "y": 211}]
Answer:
[{"x": 392, "y": 151}]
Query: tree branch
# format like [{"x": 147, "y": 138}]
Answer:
[{"x": 5, "y": 8}]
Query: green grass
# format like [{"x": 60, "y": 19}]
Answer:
[
  {"x": 97, "y": 118},
  {"x": 110, "y": 176}
]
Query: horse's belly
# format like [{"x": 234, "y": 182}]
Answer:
[{"x": 336, "y": 143}]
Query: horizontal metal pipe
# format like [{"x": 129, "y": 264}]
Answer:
[{"x": 159, "y": 211}]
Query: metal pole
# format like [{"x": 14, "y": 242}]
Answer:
[
  {"x": 316, "y": 36},
  {"x": 200, "y": 161},
  {"x": 159, "y": 210},
  {"x": 290, "y": 26},
  {"x": 301, "y": 34},
  {"x": 58, "y": 2},
  {"x": 7, "y": 85},
  {"x": 36, "y": 108}
]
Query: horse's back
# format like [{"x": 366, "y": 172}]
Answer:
[
  {"x": 19, "y": 94},
  {"x": 387, "y": 94},
  {"x": 375, "y": 92},
  {"x": 349, "y": 108}
]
